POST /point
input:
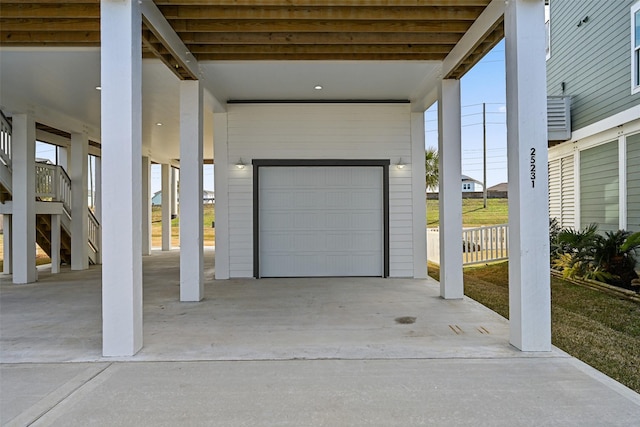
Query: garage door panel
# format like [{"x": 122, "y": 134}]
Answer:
[
  {"x": 320, "y": 221},
  {"x": 355, "y": 241},
  {"x": 276, "y": 220}
]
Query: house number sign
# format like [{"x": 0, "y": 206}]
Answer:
[{"x": 533, "y": 167}]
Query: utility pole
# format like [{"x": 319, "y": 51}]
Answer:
[{"x": 484, "y": 154}]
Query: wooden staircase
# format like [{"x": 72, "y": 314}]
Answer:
[
  {"x": 52, "y": 185},
  {"x": 5, "y": 194},
  {"x": 43, "y": 238}
]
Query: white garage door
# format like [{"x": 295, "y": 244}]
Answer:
[{"x": 321, "y": 221}]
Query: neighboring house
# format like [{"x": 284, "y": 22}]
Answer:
[
  {"x": 498, "y": 191},
  {"x": 208, "y": 197},
  {"x": 594, "y": 176},
  {"x": 156, "y": 200},
  {"x": 502, "y": 187},
  {"x": 470, "y": 185}
]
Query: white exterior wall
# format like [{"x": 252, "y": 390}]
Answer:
[{"x": 317, "y": 131}]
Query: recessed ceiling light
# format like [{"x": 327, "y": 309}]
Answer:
[
  {"x": 98, "y": 87},
  {"x": 318, "y": 87},
  {"x": 158, "y": 124}
]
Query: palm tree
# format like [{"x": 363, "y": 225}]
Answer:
[{"x": 431, "y": 168}]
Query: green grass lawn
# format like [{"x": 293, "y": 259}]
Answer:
[
  {"x": 208, "y": 217},
  {"x": 600, "y": 329},
  {"x": 473, "y": 212}
]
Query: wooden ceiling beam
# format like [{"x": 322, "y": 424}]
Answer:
[
  {"x": 322, "y": 57},
  {"x": 153, "y": 46},
  {"x": 49, "y": 25},
  {"x": 314, "y": 49},
  {"x": 248, "y": 26},
  {"x": 49, "y": 11},
  {"x": 326, "y": 38},
  {"x": 50, "y": 38},
  {"x": 416, "y": 13}
]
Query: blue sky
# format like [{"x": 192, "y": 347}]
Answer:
[{"x": 483, "y": 83}]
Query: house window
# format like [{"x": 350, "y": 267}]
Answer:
[{"x": 635, "y": 48}]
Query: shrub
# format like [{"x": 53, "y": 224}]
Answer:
[{"x": 609, "y": 258}]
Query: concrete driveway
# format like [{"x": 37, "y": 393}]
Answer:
[{"x": 285, "y": 352}]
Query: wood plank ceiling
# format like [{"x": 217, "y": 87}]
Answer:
[{"x": 251, "y": 30}]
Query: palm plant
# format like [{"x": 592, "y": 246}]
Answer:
[
  {"x": 431, "y": 159},
  {"x": 616, "y": 253}
]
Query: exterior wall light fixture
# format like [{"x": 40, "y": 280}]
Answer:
[
  {"x": 240, "y": 164},
  {"x": 400, "y": 164}
]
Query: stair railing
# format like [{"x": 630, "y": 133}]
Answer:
[
  {"x": 5, "y": 141},
  {"x": 53, "y": 184},
  {"x": 94, "y": 232}
]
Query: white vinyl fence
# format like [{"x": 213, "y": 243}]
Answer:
[{"x": 479, "y": 244}]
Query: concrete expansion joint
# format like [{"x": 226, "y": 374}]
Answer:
[{"x": 44, "y": 410}]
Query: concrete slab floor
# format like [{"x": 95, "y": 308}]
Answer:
[{"x": 284, "y": 352}]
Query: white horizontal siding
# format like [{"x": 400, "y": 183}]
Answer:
[{"x": 318, "y": 131}]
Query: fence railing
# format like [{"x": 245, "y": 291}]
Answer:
[
  {"x": 53, "y": 184},
  {"x": 479, "y": 244},
  {"x": 5, "y": 141},
  {"x": 484, "y": 244}
]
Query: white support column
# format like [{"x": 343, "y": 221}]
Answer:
[
  {"x": 121, "y": 59},
  {"x": 7, "y": 235},
  {"x": 146, "y": 205},
  {"x": 79, "y": 201},
  {"x": 622, "y": 182},
  {"x": 418, "y": 183},
  {"x": 529, "y": 287},
  {"x": 63, "y": 158},
  {"x": 24, "y": 199},
  {"x": 174, "y": 192},
  {"x": 98, "y": 204},
  {"x": 450, "y": 187},
  {"x": 221, "y": 184},
  {"x": 166, "y": 206},
  {"x": 55, "y": 244},
  {"x": 191, "y": 234}
]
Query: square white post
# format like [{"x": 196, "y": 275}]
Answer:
[
  {"x": 24, "y": 199},
  {"x": 174, "y": 192},
  {"x": 529, "y": 282},
  {"x": 121, "y": 63},
  {"x": 146, "y": 205},
  {"x": 79, "y": 201},
  {"x": 419, "y": 196},
  {"x": 191, "y": 234},
  {"x": 221, "y": 185},
  {"x": 6, "y": 242},
  {"x": 450, "y": 187},
  {"x": 98, "y": 205},
  {"x": 55, "y": 244},
  {"x": 63, "y": 158},
  {"x": 167, "y": 203}
]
